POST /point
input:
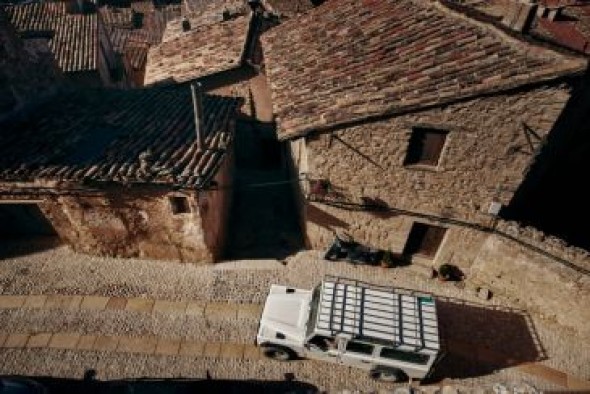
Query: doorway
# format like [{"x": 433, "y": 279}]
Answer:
[
  {"x": 23, "y": 220},
  {"x": 424, "y": 240}
]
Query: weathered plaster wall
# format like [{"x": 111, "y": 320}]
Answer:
[
  {"x": 129, "y": 224},
  {"x": 214, "y": 208},
  {"x": 485, "y": 157}
]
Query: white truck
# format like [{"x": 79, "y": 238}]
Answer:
[{"x": 392, "y": 333}]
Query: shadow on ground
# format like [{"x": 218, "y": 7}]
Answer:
[
  {"x": 162, "y": 386},
  {"x": 14, "y": 247},
  {"x": 481, "y": 339},
  {"x": 264, "y": 221}
]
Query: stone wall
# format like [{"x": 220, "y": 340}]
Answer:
[
  {"x": 490, "y": 145},
  {"x": 215, "y": 206},
  {"x": 572, "y": 256},
  {"x": 534, "y": 281},
  {"x": 129, "y": 224}
]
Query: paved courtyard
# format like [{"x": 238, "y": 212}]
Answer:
[{"x": 62, "y": 314}]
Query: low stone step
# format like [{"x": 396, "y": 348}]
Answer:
[
  {"x": 142, "y": 305},
  {"x": 124, "y": 344}
]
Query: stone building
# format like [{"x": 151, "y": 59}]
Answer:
[
  {"x": 211, "y": 41},
  {"x": 27, "y": 76},
  {"x": 413, "y": 124},
  {"x": 121, "y": 172},
  {"x": 75, "y": 36},
  {"x": 133, "y": 29}
]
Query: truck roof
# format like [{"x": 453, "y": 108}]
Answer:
[{"x": 390, "y": 316}]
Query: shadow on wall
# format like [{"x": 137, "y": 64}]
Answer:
[
  {"x": 161, "y": 386},
  {"x": 480, "y": 339},
  {"x": 324, "y": 219}
]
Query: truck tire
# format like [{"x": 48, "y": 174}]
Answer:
[
  {"x": 279, "y": 353},
  {"x": 386, "y": 374}
]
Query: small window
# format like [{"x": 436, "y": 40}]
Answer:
[
  {"x": 179, "y": 204},
  {"x": 358, "y": 347},
  {"x": 400, "y": 355},
  {"x": 425, "y": 146}
]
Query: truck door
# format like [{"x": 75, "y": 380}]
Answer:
[{"x": 358, "y": 354}]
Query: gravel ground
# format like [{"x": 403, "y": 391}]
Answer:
[{"x": 56, "y": 270}]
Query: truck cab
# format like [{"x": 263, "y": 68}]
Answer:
[{"x": 392, "y": 333}]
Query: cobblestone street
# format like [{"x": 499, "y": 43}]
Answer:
[{"x": 63, "y": 313}]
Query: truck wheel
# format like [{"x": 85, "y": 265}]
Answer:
[
  {"x": 388, "y": 374},
  {"x": 278, "y": 353}
]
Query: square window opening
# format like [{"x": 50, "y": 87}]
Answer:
[
  {"x": 425, "y": 146},
  {"x": 179, "y": 204}
]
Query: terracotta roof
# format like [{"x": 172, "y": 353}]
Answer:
[
  {"x": 204, "y": 50},
  {"x": 152, "y": 20},
  {"x": 74, "y": 40},
  {"x": 212, "y": 7},
  {"x": 289, "y": 7},
  {"x": 349, "y": 60},
  {"x": 132, "y": 43},
  {"x": 210, "y": 13},
  {"x": 134, "y": 40},
  {"x": 105, "y": 135},
  {"x": 571, "y": 29}
]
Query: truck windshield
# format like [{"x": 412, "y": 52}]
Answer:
[{"x": 313, "y": 309}]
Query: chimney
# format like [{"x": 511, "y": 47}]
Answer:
[
  {"x": 197, "y": 92},
  {"x": 186, "y": 24},
  {"x": 519, "y": 14}
]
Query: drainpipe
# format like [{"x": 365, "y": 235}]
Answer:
[{"x": 197, "y": 94}]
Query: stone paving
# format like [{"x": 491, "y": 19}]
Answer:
[{"x": 60, "y": 312}]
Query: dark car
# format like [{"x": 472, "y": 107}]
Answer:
[{"x": 18, "y": 385}]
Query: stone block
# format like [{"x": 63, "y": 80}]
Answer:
[
  {"x": 190, "y": 348},
  {"x": 249, "y": 311},
  {"x": 94, "y": 302},
  {"x": 168, "y": 347},
  {"x": 3, "y": 337},
  {"x": 484, "y": 293},
  {"x": 16, "y": 340},
  {"x": 63, "y": 302},
  {"x": 140, "y": 305},
  {"x": 86, "y": 342},
  {"x": 35, "y": 301},
  {"x": 195, "y": 308},
  {"x": 39, "y": 340},
  {"x": 143, "y": 345},
  {"x": 161, "y": 306},
  {"x": 252, "y": 352},
  {"x": 232, "y": 350},
  {"x": 11, "y": 301},
  {"x": 64, "y": 341},
  {"x": 116, "y": 303},
  {"x": 574, "y": 383},
  {"x": 219, "y": 310},
  {"x": 211, "y": 349},
  {"x": 106, "y": 343},
  {"x": 544, "y": 372}
]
